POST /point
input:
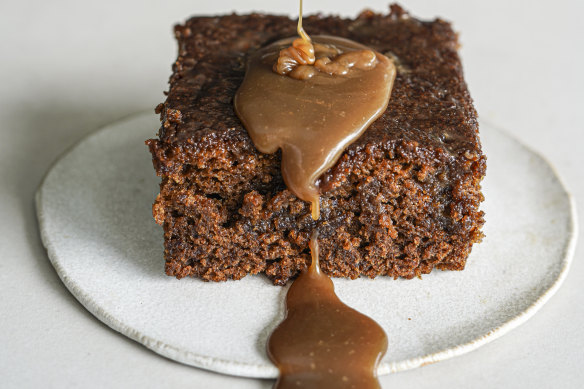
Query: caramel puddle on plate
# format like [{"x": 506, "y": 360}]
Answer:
[{"x": 323, "y": 343}]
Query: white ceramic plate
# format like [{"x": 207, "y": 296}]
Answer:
[{"x": 94, "y": 210}]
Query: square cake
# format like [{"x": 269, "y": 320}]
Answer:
[{"x": 401, "y": 200}]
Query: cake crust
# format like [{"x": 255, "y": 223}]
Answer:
[{"x": 402, "y": 200}]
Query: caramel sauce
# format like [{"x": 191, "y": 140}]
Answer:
[
  {"x": 311, "y": 99},
  {"x": 313, "y": 112},
  {"x": 323, "y": 343}
]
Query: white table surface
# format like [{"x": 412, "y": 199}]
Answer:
[{"x": 70, "y": 67}]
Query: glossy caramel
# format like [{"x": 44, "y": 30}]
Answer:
[
  {"x": 313, "y": 118},
  {"x": 323, "y": 343}
]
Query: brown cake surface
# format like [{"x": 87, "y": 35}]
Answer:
[{"x": 402, "y": 200}]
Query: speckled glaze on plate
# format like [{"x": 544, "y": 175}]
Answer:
[{"x": 94, "y": 212}]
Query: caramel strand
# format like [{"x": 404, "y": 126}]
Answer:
[
  {"x": 300, "y": 53},
  {"x": 300, "y": 30}
]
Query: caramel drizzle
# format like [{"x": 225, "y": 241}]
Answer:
[
  {"x": 314, "y": 253},
  {"x": 299, "y": 28},
  {"x": 323, "y": 343},
  {"x": 300, "y": 53}
]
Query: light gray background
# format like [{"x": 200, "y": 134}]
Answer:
[{"x": 70, "y": 67}]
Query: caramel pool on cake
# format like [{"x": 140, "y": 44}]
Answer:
[
  {"x": 311, "y": 98},
  {"x": 402, "y": 199}
]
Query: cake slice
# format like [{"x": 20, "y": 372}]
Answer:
[{"x": 402, "y": 200}]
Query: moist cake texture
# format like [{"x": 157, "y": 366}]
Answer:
[{"x": 403, "y": 199}]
